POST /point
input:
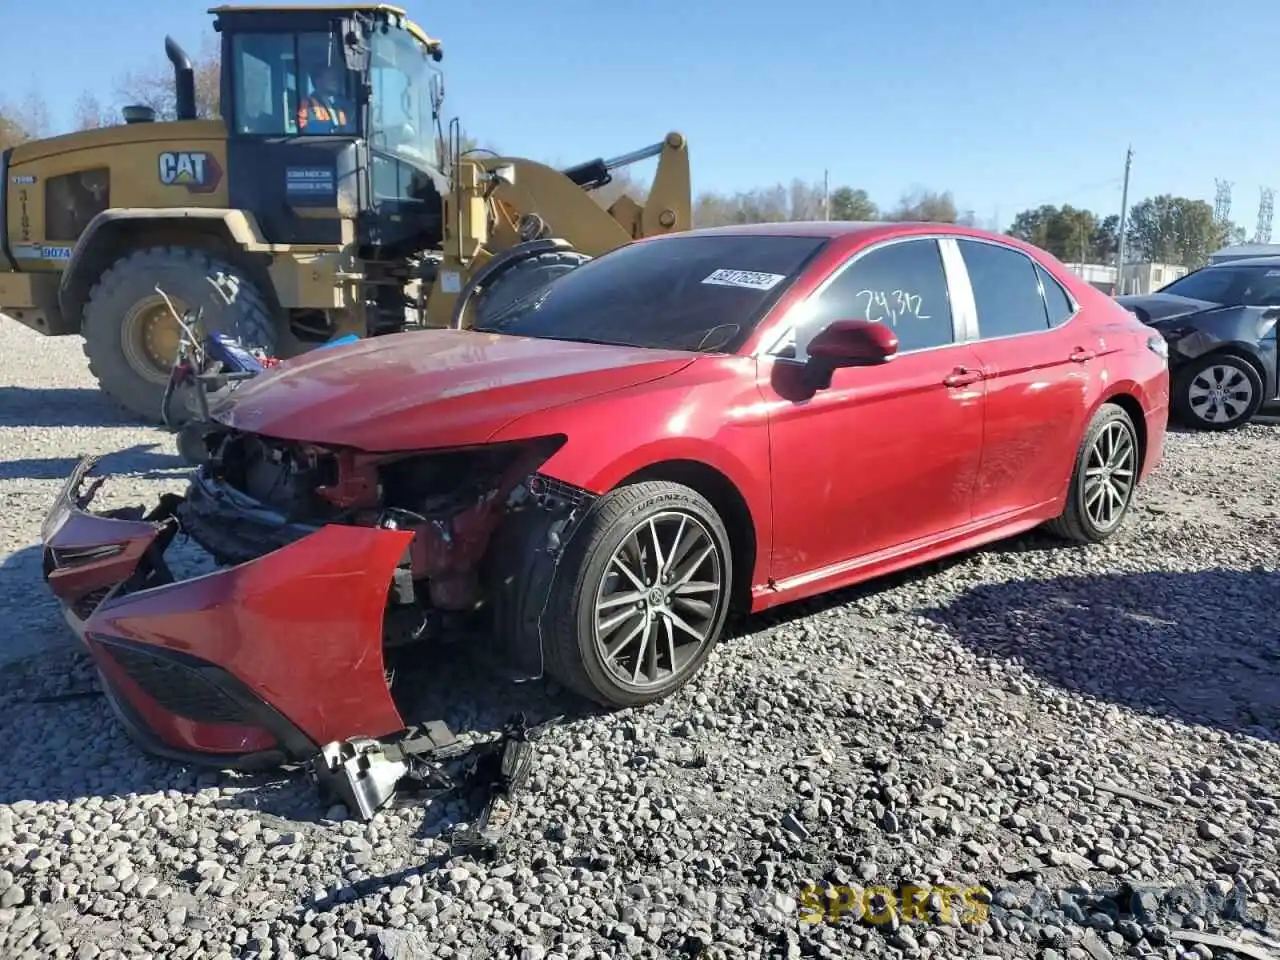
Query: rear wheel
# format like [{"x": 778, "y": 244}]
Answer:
[
  {"x": 131, "y": 338},
  {"x": 641, "y": 595},
  {"x": 521, "y": 279},
  {"x": 1104, "y": 479},
  {"x": 1217, "y": 392}
]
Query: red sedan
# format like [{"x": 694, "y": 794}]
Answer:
[{"x": 726, "y": 418}]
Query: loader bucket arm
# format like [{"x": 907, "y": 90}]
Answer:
[
  {"x": 500, "y": 204},
  {"x": 561, "y": 198}
]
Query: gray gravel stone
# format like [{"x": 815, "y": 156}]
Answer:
[{"x": 965, "y": 727}]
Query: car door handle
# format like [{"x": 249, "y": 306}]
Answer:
[
  {"x": 1080, "y": 355},
  {"x": 962, "y": 377}
]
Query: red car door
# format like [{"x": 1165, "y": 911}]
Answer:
[
  {"x": 1042, "y": 367},
  {"x": 885, "y": 455}
]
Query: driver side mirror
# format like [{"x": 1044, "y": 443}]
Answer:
[
  {"x": 842, "y": 343},
  {"x": 852, "y": 343}
]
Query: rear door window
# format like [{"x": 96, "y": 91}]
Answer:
[{"x": 1006, "y": 289}]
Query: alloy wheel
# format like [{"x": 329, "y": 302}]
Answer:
[
  {"x": 1110, "y": 473},
  {"x": 658, "y": 600},
  {"x": 1219, "y": 393}
]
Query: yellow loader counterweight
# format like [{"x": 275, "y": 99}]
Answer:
[{"x": 327, "y": 199}]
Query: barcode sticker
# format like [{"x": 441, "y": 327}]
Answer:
[{"x": 750, "y": 279}]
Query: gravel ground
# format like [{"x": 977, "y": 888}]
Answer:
[{"x": 1081, "y": 741}]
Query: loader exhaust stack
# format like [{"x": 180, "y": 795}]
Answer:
[{"x": 184, "y": 79}]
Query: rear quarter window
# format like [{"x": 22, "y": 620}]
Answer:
[{"x": 1057, "y": 301}]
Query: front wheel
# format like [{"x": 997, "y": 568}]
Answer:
[
  {"x": 1104, "y": 479},
  {"x": 641, "y": 596},
  {"x": 1217, "y": 392}
]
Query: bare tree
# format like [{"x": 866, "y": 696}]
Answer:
[
  {"x": 927, "y": 206},
  {"x": 623, "y": 183},
  {"x": 89, "y": 113},
  {"x": 26, "y": 120}
]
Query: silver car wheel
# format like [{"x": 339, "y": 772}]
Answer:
[
  {"x": 1220, "y": 394},
  {"x": 658, "y": 599},
  {"x": 1110, "y": 474}
]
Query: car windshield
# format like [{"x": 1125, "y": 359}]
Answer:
[
  {"x": 700, "y": 293},
  {"x": 400, "y": 72},
  {"x": 1231, "y": 285}
]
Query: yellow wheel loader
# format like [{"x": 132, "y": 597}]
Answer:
[{"x": 327, "y": 200}]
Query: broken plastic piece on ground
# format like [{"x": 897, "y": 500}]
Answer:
[
  {"x": 358, "y": 775},
  {"x": 506, "y": 773},
  {"x": 364, "y": 774}
]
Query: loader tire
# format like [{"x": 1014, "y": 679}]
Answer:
[
  {"x": 521, "y": 279},
  {"x": 115, "y": 318}
]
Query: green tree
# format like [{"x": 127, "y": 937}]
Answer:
[
  {"x": 849, "y": 204},
  {"x": 1169, "y": 229},
  {"x": 1069, "y": 233},
  {"x": 1106, "y": 238}
]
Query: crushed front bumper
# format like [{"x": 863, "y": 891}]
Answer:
[{"x": 252, "y": 666}]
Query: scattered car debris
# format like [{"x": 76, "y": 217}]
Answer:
[
  {"x": 365, "y": 774},
  {"x": 206, "y": 367},
  {"x": 1223, "y": 943},
  {"x": 1134, "y": 795}
]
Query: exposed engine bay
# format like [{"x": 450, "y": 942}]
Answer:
[
  {"x": 384, "y": 550},
  {"x": 481, "y": 518}
]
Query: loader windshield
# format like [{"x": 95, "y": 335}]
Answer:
[{"x": 402, "y": 122}]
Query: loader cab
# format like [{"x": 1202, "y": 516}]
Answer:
[{"x": 332, "y": 123}]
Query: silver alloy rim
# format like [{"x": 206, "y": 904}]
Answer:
[
  {"x": 658, "y": 600},
  {"x": 1220, "y": 393},
  {"x": 1109, "y": 475}
]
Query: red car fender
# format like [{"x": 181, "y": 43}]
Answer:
[{"x": 719, "y": 421}]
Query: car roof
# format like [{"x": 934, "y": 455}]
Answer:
[
  {"x": 1257, "y": 261},
  {"x": 833, "y": 229}
]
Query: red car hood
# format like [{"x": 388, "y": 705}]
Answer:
[{"x": 431, "y": 388}]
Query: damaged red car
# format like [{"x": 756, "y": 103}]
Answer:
[{"x": 724, "y": 419}]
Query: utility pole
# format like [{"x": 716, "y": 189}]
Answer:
[
  {"x": 826, "y": 194},
  {"x": 1124, "y": 212}
]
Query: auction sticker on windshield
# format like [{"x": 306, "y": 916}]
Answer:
[{"x": 751, "y": 279}]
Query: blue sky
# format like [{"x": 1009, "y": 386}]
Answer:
[{"x": 1006, "y": 104}]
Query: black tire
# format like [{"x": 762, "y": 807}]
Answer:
[
  {"x": 233, "y": 305},
  {"x": 1238, "y": 376},
  {"x": 570, "y": 649},
  {"x": 1076, "y": 523},
  {"x": 521, "y": 279}
]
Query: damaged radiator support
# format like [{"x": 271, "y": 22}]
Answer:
[{"x": 365, "y": 775}]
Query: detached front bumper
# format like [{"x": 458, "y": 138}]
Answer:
[{"x": 251, "y": 666}]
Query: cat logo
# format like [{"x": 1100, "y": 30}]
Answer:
[{"x": 198, "y": 172}]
